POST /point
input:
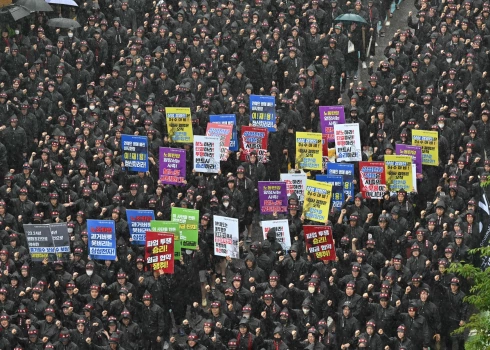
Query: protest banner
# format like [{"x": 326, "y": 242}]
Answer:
[
  {"x": 273, "y": 197},
  {"x": 348, "y": 142},
  {"x": 253, "y": 139},
  {"x": 172, "y": 166},
  {"x": 337, "y": 182},
  {"x": 47, "y": 241},
  {"x": 189, "y": 225},
  {"x": 413, "y": 151},
  {"x": 319, "y": 242},
  {"x": 139, "y": 223},
  {"x": 282, "y": 231},
  {"x": 206, "y": 154},
  {"x": 263, "y": 112},
  {"x": 169, "y": 227},
  {"x": 429, "y": 141},
  {"x": 135, "y": 152},
  {"x": 330, "y": 116},
  {"x": 226, "y": 236},
  {"x": 372, "y": 178},
  {"x": 179, "y": 124},
  {"x": 295, "y": 183},
  {"x": 223, "y": 131},
  {"x": 101, "y": 239},
  {"x": 347, "y": 171},
  {"x": 159, "y": 252},
  {"x": 227, "y": 119},
  {"x": 309, "y": 150},
  {"x": 317, "y": 201},
  {"x": 398, "y": 170}
]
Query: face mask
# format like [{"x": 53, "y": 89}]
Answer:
[
  {"x": 311, "y": 290},
  {"x": 370, "y": 249},
  {"x": 90, "y": 272},
  {"x": 70, "y": 230},
  {"x": 70, "y": 35},
  {"x": 91, "y": 107},
  {"x": 135, "y": 106},
  {"x": 441, "y": 125},
  {"x": 449, "y": 60},
  {"x": 228, "y": 297},
  {"x": 111, "y": 109},
  {"x": 283, "y": 320},
  {"x": 305, "y": 311},
  {"x": 247, "y": 316},
  {"x": 17, "y": 32},
  {"x": 189, "y": 252},
  {"x": 226, "y": 204}
]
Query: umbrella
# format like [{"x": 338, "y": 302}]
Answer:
[
  {"x": 350, "y": 17},
  {"x": 63, "y": 23},
  {"x": 17, "y": 11},
  {"x": 35, "y": 5},
  {"x": 62, "y": 2}
]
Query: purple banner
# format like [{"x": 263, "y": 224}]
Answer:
[
  {"x": 273, "y": 197},
  {"x": 413, "y": 151},
  {"x": 329, "y": 116},
  {"x": 172, "y": 166}
]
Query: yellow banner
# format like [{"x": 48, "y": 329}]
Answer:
[
  {"x": 309, "y": 150},
  {"x": 179, "y": 124},
  {"x": 318, "y": 196},
  {"x": 429, "y": 141},
  {"x": 398, "y": 173}
]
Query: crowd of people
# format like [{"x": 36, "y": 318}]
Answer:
[{"x": 67, "y": 96}]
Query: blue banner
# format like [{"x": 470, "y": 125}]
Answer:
[
  {"x": 263, "y": 112},
  {"x": 337, "y": 182},
  {"x": 101, "y": 239},
  {"x": 229, "y": 119},
  {"x": 139, "y": 223},
  {"x": 135, "y": 152},
  {"x": 347, "y": 171}
]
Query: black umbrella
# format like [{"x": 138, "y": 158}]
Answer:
[
  {"x": 35, "y": 5},
  {"x": 17, "y": 11},
  {"x": 63, "y": 23}
]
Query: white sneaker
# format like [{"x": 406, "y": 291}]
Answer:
[
  {"x": 387, "y": 24},
  {"x": 364, "y": 66}
]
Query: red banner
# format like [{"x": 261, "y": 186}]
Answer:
[
  {"x": 253, "y": 139},
  {"x": 319, "y": 242},
  {"x": 159, "y": 251},
  {"x": 372, "y": 177}
]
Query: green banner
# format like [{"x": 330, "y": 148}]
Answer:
[
  {"x": 189, "y": 224},
  {"x": 170, "y": 227}
]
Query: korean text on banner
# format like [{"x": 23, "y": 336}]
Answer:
[
  {"x": 135, "y": 152},
  {"x": 159, "y": 251},
  {"x": 272, "y": 197},
  {"x": 413, "y": 151},
  {"x": 329, "y": 116},
  {"x": 61, "y": 239},
  {"x": 223, "y": 131},
  {"x": 172, "y": 164},
  {"x": 309, "y": 150},
  {"x": 47, "y": 241},
  {"x": 226, "y": 237},
  {"x": 168, "y": 227},
  {"x": 372, "y": 178},
  {"x": 317, "y": 201},
  {"x": 319, "y": 242},
  {"x": 398, "y": 170},
  {"x": 189, "y": 225},
  {"x": 337, "y": 182},
  {"x": 281, "y": 228},
  {"x": 429, "y": 141},
  {"x": 228, "y": 119},
  {"x": 179, "y": 124},
  {"x": 295, "y": 183},
  {"x": 139, "y": 223},
  {"x": 253, "y": 139},
  {"x": 206, "y": 154},
  {"x": 347, "y": 171},
  {"x": 101, "y": 239},
  {"x": 263, "y": 111},
  {"x": 347, "y": 142}
]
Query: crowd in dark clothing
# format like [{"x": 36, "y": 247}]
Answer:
[{"x": 67, "y": 96}]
